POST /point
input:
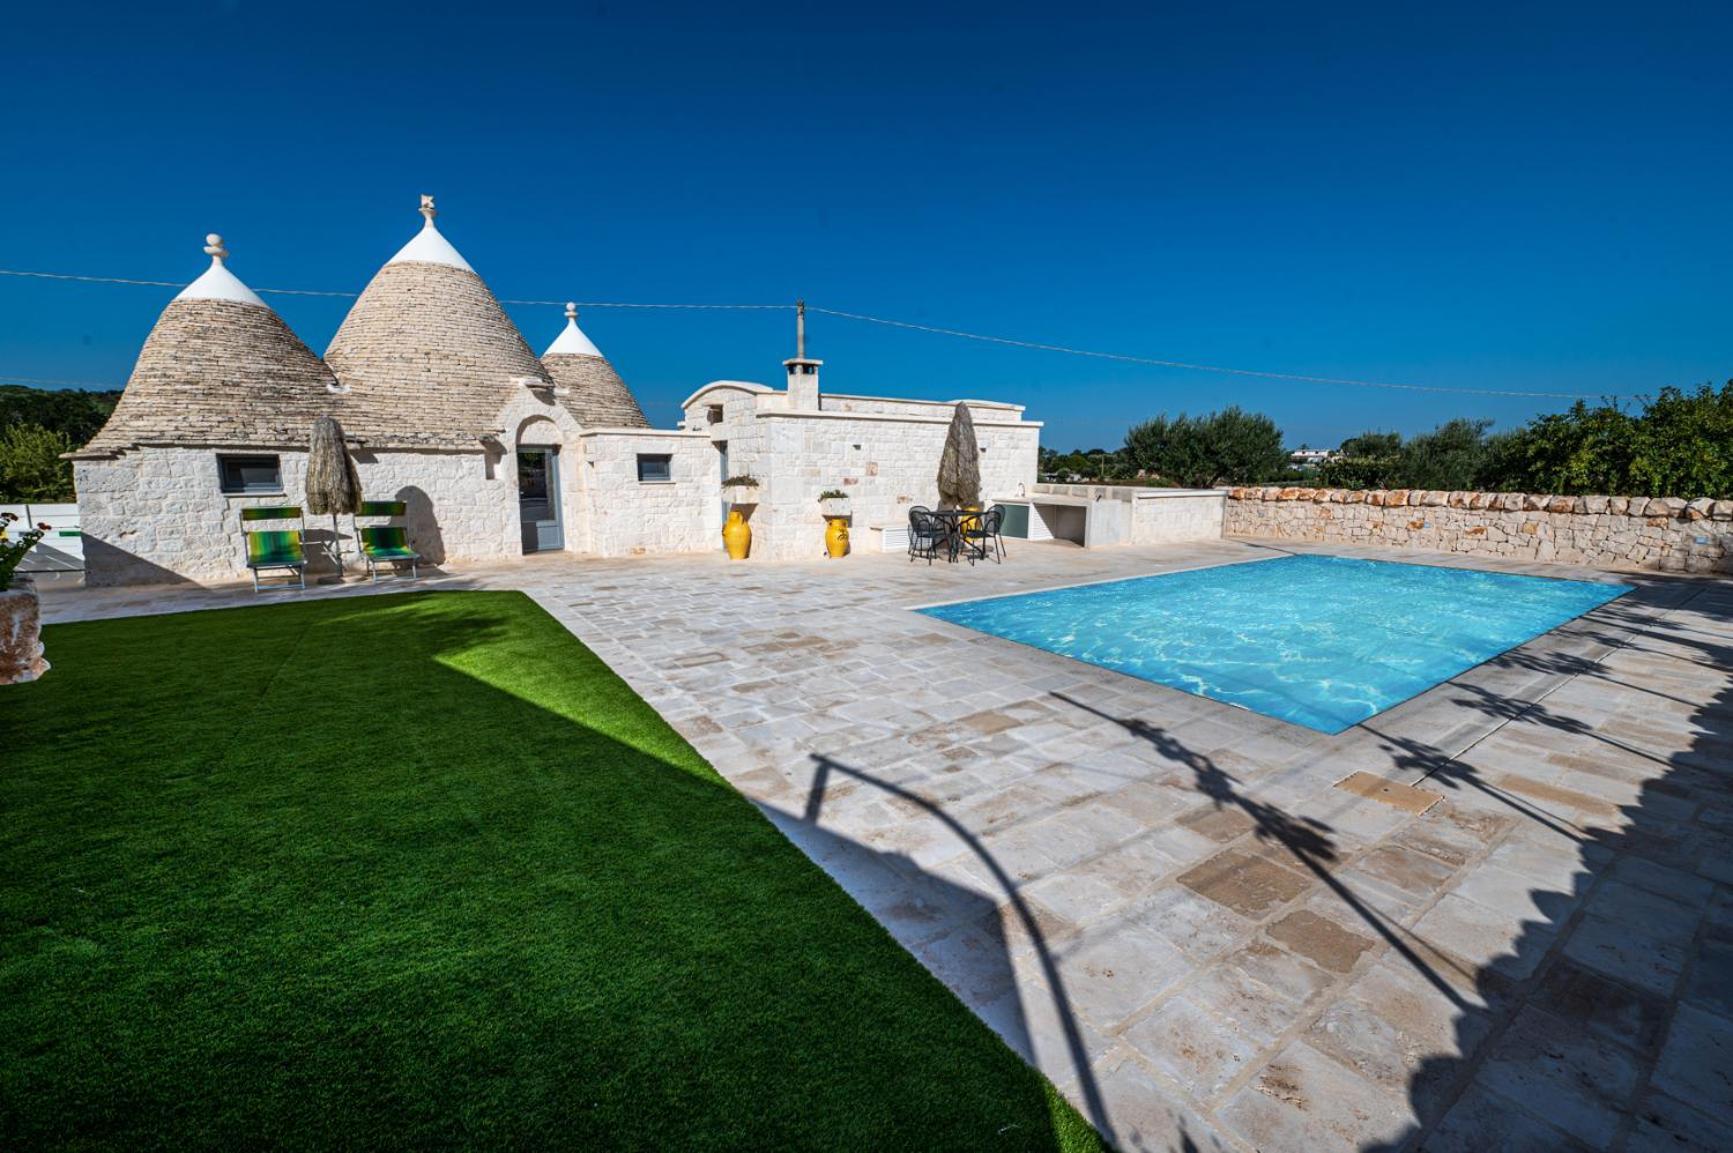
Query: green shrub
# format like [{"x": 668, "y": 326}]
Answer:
[
  {"x": 1227, "y": 447},
  {"x": 30, "y": 464}
]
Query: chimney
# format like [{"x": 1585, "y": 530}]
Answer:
[{"x": 802, "y": 372}]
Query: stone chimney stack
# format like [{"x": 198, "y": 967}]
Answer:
[{"x": 802, "y": 372}]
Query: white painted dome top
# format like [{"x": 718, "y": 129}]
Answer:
[
  {"x": 572, "y": 342},
  {"x": 218, "y": 283},
  {"x": 429, "y": 245}
]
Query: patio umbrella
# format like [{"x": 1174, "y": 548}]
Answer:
[
  {"x": 960, "y": 465},
  {"x": 333, "y": 485}
]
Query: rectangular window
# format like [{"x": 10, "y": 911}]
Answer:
[
  {"x": 249, "y": 474},
  {"x": 654, "y": 467},
  {"x": 715, "y": 414}
]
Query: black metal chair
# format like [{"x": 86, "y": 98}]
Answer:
[
  {"x": 927, "y": 534},
  {"x": 981, "y": 535}
]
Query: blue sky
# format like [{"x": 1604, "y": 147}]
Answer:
[{"x": 1529, "y": 197}]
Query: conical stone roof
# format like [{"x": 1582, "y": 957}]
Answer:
[
  {"x": 427, "y": 357},
  {"x": 219, "y": 368},
  {"x": 587, "y": 384}
]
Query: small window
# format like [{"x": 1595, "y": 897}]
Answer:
[
  {"x": 655, "y": 467},
  {"x": 715, "y": 414},
  {"x": 249, "y": 474}
]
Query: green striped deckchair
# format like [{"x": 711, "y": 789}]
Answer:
[
  {"x": 279, "y": 549},
  {"x": 386, "y": 544}
]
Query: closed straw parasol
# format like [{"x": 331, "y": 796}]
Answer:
[
  {"x": 960, "y": 466},
  {"x": 333, "y": 485}
]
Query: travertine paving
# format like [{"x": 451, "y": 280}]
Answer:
[{"x": 1168, "y": 905}]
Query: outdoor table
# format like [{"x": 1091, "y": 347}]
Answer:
[{"x": 953, "y": 519}]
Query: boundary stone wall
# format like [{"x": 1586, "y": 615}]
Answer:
[{"x": 1665, "y": 534}]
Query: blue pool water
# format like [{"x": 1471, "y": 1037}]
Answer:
[{"x": 1321, "y": 641}]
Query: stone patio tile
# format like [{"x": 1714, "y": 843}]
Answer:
[
  {"x": 1710, "y": 985},
  {"x": 1408, "y": 871},
  {"x": 1045, "y": 1032},
  {"x": 1303, "y": 1100},
  {"x": 1614, "y": 1011},
  {"x": 1148, "y": 802},
  {"x": 1668, "y": 1126},
  {"x": 1577, "y": 1080},
  {"x": 1516, "y": 894},
  {"x": 1249, "y": 885},
  {"x": 973, "y": 960},
  {"x": 1484, "y": 1122},
  {"x": 1483, "y": 937},
  {"x": 1199, "y": 928},
  {"x": 1321, "y": 940},
  {"x": 1183, "y": 845},
  {"x": 1287, "y": 975},
  {"x": 1644, "y": 910},
  {"x": 1113, "y": 975},
  {"x": 1696, "y": 1062},
  {"x": 1397, "y": 1028},
  {"x": 1632, "y": 957},
  {"x": 1230, "y": 993},
  {"x": 1197, "y": 1049},
  {"x": 1145, "y": 1114},
  {"x": 1220, "y": 823},
  {"x": 1079, "y": 894}
]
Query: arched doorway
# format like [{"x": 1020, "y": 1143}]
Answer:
[{"x": 538, "y": 487}]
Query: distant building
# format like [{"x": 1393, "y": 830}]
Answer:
[
  {"x": 495, "y": 452},
  {"x": 1312, "y": 457}
]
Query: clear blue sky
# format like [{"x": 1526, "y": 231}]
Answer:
[{"x": 1514, "y": 196}]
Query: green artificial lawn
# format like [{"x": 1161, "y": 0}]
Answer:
[{"x": 420, "y": 871}]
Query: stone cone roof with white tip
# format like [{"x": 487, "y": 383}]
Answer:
[
  {"x": 219, "y": 368},
  {"x": 588, "y": 386},
  {"x": 427, "y": 356}
]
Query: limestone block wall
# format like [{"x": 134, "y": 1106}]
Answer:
[
  {"x": 157, "y": 515},
  {"x": 623, "y": 516},
  {"x": 885, "y": 462},
  {"x": 1666, "y": 534},
  {"x": 1151, "y": 515}
]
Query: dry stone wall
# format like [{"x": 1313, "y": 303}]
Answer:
[{"x": 1659, "y": 533}]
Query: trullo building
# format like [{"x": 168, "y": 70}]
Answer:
[{"x": 495, "y": 452}]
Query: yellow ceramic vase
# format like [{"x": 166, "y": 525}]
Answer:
[
  {"x": 737, "y": 535},
  {"x": 836, "y": 536}
]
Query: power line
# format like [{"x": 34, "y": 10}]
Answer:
[
  {"x": 1124, "y": 358},
  {"x": 1187, "y": 366}
]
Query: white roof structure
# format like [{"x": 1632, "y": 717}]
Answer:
[
  {"x": 218, "y": 283},
  {"x": 572, "y": 341},
  {"x": 429, "y": 245}
]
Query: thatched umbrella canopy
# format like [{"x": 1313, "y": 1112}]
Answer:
[
  {"x": 960, "y": 466},
  {"x": 333, "y": 485}
]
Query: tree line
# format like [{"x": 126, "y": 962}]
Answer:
[
  {"x": 36, "y": 426},
  {"x": 1676, "y": 443}
]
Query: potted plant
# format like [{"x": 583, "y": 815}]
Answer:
[
  {"x": 833, "y": 503},
  {"x": 20, "y": 614},
  {"x": 742, "y": 492}
]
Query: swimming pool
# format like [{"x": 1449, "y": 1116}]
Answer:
[{"x": 1320, "y": 641}]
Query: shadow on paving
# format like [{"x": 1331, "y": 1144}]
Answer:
[
  {"x": 421, "y": 872},
  {"x": 1607, "y": 1024}
]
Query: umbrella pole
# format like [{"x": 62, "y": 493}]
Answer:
[{"x": 337, "y": 547}]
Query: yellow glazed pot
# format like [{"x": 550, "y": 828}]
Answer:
[
  {"x": 737, "y": 535},
  {"x": 836, "y": 536}
]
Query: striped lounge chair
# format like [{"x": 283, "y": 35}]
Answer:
[
  {"x": 386, "y": 544},
  {"x": 272, "y": 550}
]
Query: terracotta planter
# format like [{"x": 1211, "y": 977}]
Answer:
[{"x": 20, "y": 635}]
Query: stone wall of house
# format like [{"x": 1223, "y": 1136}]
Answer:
[
  {"x": 1667, "y": 534},
  {"x": 885, "y": 463},
  {"x": 623, "y": 516},
  {"x": 158, "y": 515}
]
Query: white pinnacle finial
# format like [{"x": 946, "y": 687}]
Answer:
[
  {"x": 428, "y": 212},
  {"x": 572, "y": 311},
  {"x": 214, "y": 248}
]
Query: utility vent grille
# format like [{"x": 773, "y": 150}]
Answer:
[{"x": 896, "y": 538}]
